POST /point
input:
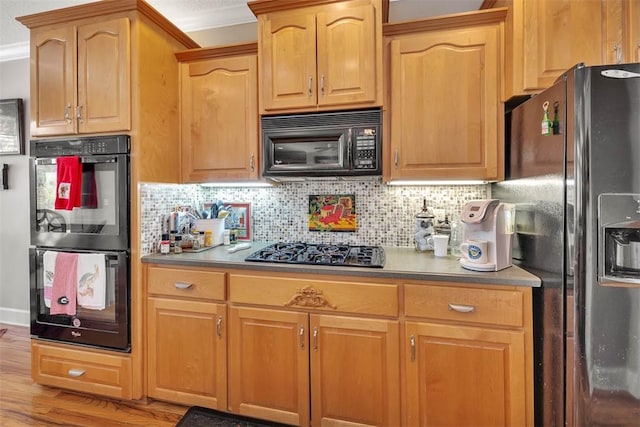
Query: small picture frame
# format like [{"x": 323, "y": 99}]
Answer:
[
  {"x": 11, "y": 126},
  {"x": 240, "y": 215},
  {"x": 332, "y": 212}
]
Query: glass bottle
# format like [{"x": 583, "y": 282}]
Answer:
[{"x": 457, "y": 236}]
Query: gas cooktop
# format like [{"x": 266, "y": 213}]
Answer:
[{"x": 321, "y": 254}]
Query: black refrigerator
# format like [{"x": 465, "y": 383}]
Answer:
[{"x": 573, "y": 172}]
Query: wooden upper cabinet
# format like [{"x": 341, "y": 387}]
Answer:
[
  {"x": 444, "y": 98},
  {"x": 53, "y": 81},
  {"x": 346, "y": 47},
  {"x": 547, "y": 37},
  {"x": 288, "y": 59},
  {"x": 104, "y": 78},
  {"x": 81, "y": 78},
  {"x": 219, "y": 114},
  {"x": 319, "y": 57}
]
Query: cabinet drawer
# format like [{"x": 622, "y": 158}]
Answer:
[
  {"x": 489, "y": 306},
  {"x": 81, "y": 370},
  {"x": 350, "y": 297},
  {"x": 184, "y": 282}
]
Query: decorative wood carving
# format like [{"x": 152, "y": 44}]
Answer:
[{"x": 309, "y": 297}]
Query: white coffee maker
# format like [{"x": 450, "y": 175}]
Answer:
[{"x": 489, "y": 227}]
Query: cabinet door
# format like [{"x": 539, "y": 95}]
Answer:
[
  {"x": 446, "y": 116},
  {"x": 464, "y": 376},
  {"x": 219, "y": 116},
  {"x": 288, "y": 60},
  {"x": 187, "y": 348},
  {"x": 632, "y": 40},
  {"x": 269, "y": 365},
  {"x": 53, "y": 81},
  {"x": 552, "y": 36},
  {"x": 353, "y": 357},
  {"x": 104, "y": 82},
  {"x": 346, "y": 43}
]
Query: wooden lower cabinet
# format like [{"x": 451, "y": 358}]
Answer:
[
  {"x": 468, "y": 355},
  {"x": 269, "y": 365},
  {"x": 326, "y": 350},
  {"x": 82, "y": 370},
  {"x": 298, "y": 368},
  {"x": 187, "y": 352},
  {"x": 464, "y": 376},
  {"x": 355, "y": 371},
  {"x": 187, "y": 336}
]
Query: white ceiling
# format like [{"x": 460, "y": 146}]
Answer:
[{"x": 195, "y": 15}]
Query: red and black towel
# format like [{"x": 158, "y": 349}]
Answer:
[{"x": 69, "y": 183}]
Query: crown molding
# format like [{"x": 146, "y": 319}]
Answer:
[{"x": 14, "y": 51}]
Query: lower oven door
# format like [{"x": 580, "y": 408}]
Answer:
[{"x": 98, "y": 314}]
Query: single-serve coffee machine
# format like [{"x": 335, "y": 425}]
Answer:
[{"x": 489, "y": 227}]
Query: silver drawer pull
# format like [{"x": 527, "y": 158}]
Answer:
[
  {"x": 183, "y": 285},
  {"x": 462, "y": 308},
  {"x": 412, "y": 343},
  {"x": 76, "y": 372},
  {"x": 219, "y": 327}
]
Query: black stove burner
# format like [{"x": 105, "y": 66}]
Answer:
[{"x": 320, "y": 254}]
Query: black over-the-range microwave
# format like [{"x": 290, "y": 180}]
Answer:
[{"x": 322, "y": 145}]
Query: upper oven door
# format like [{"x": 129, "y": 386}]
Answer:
[
  {"x": 102, "y": 220},
  {"x": 306, "y": 152}
]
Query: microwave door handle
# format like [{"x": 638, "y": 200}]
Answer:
[{"x": 349, "y": 148}]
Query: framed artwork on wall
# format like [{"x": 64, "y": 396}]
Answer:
[
  {"x": 332, "y": 212},
  {"x": 11, "y": 126},
  {"x": 240, "y": 216}
]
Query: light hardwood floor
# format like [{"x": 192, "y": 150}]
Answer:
[{"x": 24, "y": 403}]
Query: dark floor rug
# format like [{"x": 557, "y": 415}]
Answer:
[{"x": 197, "y": 416}]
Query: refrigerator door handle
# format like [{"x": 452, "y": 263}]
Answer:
[
  {"x": 619, "y": 74},
  {"x": 619, "y": 281}
]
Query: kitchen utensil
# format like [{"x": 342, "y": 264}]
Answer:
[
  {"x": 239, "y": 247},
  {"x": 424, "y": 228}
]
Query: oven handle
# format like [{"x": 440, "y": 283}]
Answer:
[
  {"x": 89, "y": 159},
  {"x": 112, "y": 256}
]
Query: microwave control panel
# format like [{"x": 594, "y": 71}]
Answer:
[{"x": 365, "y": 148}]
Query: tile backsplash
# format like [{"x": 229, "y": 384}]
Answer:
[{"x": 385, "y": 213}]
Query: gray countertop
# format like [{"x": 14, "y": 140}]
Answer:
[{"x": 401, "y": 263}]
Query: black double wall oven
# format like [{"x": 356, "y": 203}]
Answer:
[{"x": 80, "y": 254}]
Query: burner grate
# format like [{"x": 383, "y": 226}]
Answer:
[{"x": 320, "y": 254}]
